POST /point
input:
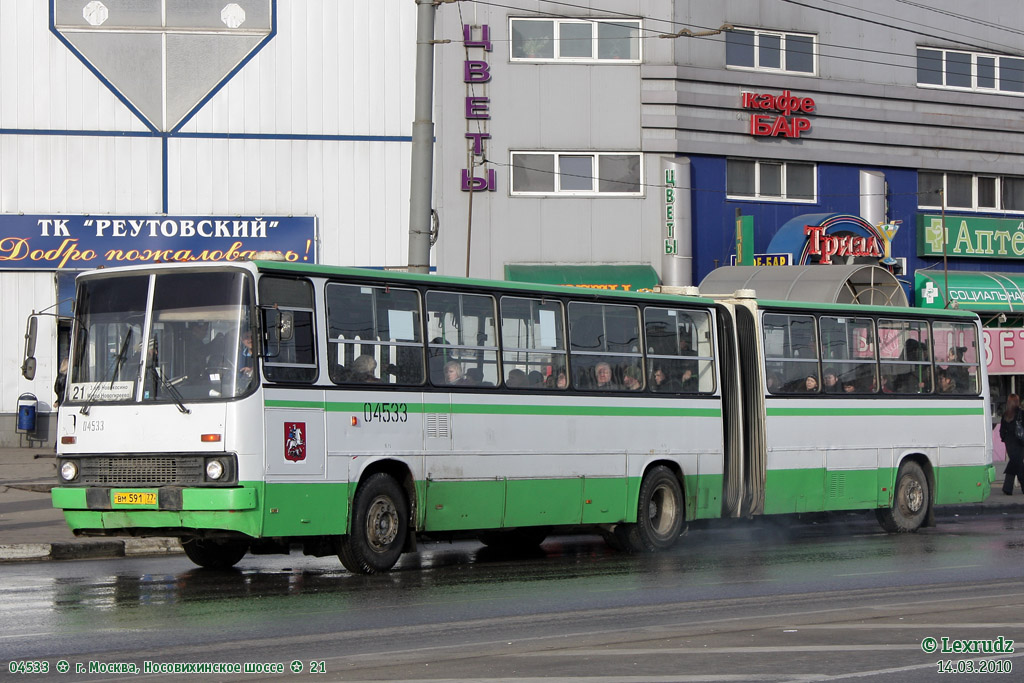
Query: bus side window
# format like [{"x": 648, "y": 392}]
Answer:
[
  {"x": 294, "y": 358},
  {"x": 604, "y": 341},
  {"x": 374, "y": 335},
  {"x": 957, "y": 356},
  {"x": 533, "y": 343},
  {"x": 463, "y": 346},
  {"x": 847, "y": 354},
  {"x": 679, "y": 351},
  {"x": 906, "y": 363},
  {"x": 790, "y": 342}
]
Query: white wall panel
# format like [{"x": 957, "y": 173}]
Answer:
[
  {"x": 20, "y": 294},
  {"x": 359, "y": 190},
  {"x": 334, "y": 68},
  {"x": 77, "y": 174},
  {"x": 43, "y": 85}
]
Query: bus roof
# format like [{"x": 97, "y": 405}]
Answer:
[{"x": 372, "y": 274}]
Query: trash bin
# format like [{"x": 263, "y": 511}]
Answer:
[{"x": 27, "y": 405}]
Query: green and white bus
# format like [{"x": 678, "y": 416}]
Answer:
[{"x": 256, "y": 406}]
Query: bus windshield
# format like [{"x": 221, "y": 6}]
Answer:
[{"x": 172, "y": 337}]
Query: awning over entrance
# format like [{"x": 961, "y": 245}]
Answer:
[
  {"x": 615, "y": 277},
  {"x": 971, "y": 290},
  {"x": 852, "y": 284}
]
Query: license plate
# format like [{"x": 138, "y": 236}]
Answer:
[{"x": 134, "y": 498}]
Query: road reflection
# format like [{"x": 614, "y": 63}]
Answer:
[{"x": 784, "y": 550}]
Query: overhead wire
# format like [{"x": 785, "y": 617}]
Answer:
[
  {"x": 698, "y": 31},
  {"x": 704, "y": 33}
]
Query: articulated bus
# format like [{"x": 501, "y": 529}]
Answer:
[{"x": 261, "y": 406}]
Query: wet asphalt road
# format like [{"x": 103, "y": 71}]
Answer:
[{"x": 777, "y": 599}]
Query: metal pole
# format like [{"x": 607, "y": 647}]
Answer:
[
  {"x": 421, "y": 179},
  {"x": 945, "y": 255},
  {"x": 469, "y": 217}
]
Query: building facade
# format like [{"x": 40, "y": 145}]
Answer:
[
  {"x": 151, "y": 130},
  {"x": 642, "y": 136}
]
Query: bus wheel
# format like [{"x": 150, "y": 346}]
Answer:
[
  {"x": 515, "y": 540},
  {"x": 380, "y": 526},
  {"x": 910, "y": 501},
  {"x": 659, "y": 518},
  {"x": 214, "y": 554}
]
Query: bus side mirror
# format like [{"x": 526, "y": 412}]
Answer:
[
  {"x": 287, "y": 325},
  {"x": 28, "y": 366},
  {"x": 279, "y": 326}
]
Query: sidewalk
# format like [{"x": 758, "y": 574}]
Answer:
[{"x": 31, "y": 529}]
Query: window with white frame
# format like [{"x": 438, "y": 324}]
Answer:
[
  {"x": 970, "y": 191},
  {"x": 575, "y": 40},
  {"x": 771, "y": 51},
  {"x": 959, "y": 70},
  {"x": 577, "y": 173},
  {"x": 771, "y": 180}
]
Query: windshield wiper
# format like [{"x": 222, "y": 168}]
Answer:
[
  {"x": 179, "y": 400},
  {"x": 118, "y": 361}
]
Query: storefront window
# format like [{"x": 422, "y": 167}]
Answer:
[
  {"x": 958, "y": 70},
  {"x": 771, "y": 180},
  {"x": 618, "y": 40},
  {"x": 575, "y": 40},
  {"x": 1013, "y": 194},
  {"x": 959, "y": 191},
  {"x": 969, "y": 70},
  {"x": 964, "y": 191},
  {"x": 770, "y": 51},
  {"x": 617, "y": 173},
  {"x": 534, "y": 39},
  {"x": 740, "y": 178},
  {"x": 1011, "y": 74},
  {"x": 576, "y": 173},
  {"x": 595, "y": 40}
]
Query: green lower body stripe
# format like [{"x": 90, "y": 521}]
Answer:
[{"x": 322, "y": 509}]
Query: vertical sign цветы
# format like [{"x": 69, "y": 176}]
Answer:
[
  {"x": 477, "y": 108},
  {"x": 671, "y": 241}
]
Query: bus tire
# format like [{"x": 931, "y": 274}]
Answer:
[
  {"x": 515, "y": 540},
  {"x": 214, "y": 554},
  {"x": 380, "y": 526},
  {"x": 909, "y": 503},
  {"x": 660, "y": 514}
]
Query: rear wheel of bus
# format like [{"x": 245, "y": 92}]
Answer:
[
  {"x": 214, "y": 554},
  {"x": 909, "y": 503},
  {"x": 380, "y": 526},
  {"x": 659, "y": 517}
]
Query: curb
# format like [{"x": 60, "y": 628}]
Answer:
[{"x": 133, "y": 547}]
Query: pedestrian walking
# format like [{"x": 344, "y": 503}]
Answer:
[{"x": 1011, "y": 431}]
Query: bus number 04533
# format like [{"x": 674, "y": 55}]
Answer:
[{"x": 385, "y": 412}]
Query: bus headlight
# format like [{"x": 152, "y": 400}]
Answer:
[
  {"x": 69, "y": 471},
  {"x": 214, "y": 470}
]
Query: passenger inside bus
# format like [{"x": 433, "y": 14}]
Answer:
[
  {"x": 603, "y": 377},
  {"x": 947, "y": 383},
  {"x": 246, "y": 361},
  {"x": 516, "y": 378},
  {"x": 453, "y": 373},
  {"x": 364, "y": 370},
  {"x": 631, "y": 379}
]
